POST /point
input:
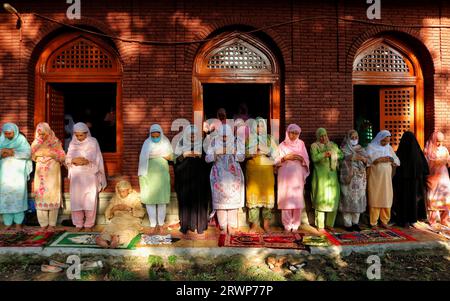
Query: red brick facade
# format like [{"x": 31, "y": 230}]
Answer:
[{"x": 316, "y": 57}]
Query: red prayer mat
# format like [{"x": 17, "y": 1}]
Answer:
[
  {"x": 367, "y": 237},
  {"x": 25, "y": 238},
  {"x": 263, "y": 240}
]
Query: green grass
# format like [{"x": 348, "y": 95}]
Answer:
[
  {"x": 117, "y": 274},
  {"x": 155, "y": 261}
]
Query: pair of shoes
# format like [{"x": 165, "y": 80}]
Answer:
[
  {"x": 356, "y": 228},
  {"x": 46, "y": 268}
]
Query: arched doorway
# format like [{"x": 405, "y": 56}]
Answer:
[
  {"x": 236, "y": 68},
  {"x": 388, "y": 89},
  {"x": 80, "y": 75}
]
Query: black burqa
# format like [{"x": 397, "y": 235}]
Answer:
[
  {"x": 193, "y": 193},
  {"x": 410, "y": 182}
]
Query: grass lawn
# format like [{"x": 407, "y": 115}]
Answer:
[{"x": 395, "y": 265}]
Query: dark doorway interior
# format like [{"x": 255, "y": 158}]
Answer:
[
  {"x": 230, "y": 96},
  {"x": 95, "y": 105},
  {"x": 367, "y": 112}
]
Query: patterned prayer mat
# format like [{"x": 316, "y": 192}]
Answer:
[
  {"x": 26, "y": 238},
  {"x": 442, "y": 231},
  {"x": 263, "y": 240},
  {"x": 367, "y": 237},
  {"x": 147, "y": 240},
  {"x": 86, "y": 240}
]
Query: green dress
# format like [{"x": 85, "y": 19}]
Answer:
[
  {"x": 325, "y": 182},
  {"x": 155, "y": 185}
]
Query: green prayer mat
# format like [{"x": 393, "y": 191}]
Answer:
[{"x": 87, "y": 240}]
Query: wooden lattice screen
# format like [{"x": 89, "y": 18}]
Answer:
[
  {"x": 55, "y": 112},
  {"x": 382, "y": 59},
  {"x": 238, "y": 56},
  {"x": 397, "y": 112},
  {"x": 81, "y": 55}
]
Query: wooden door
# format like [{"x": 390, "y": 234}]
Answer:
[
  {"x": 397, "y": 112},
  {"x": 55, "y": 111}
]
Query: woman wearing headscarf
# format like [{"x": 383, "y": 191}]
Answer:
[
  {"x": 47, "y": 152},
  {"x": 353, "y": 179},
  {"x": 382, "y": 160},
  {"x": 293, "y": 169},
  {"x": 191, "y": 182},
  {"x": 325, "y": 183},
  {"x": 154, "y": 177},
  {"x": 438, "y": 182},
  {"x": 261, "y": 151},
  {"x": 15, "y": 170},
  {"x": 226, "y": 178},
  {"x": 124, "y": 213},
  {"x": 409, "y": 182},
  {"x": 87, "y": 176}
]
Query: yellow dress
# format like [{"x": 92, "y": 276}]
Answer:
[{"x": 260, "y": 181}]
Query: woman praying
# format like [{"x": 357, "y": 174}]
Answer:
[
  {"x": 353, "y": 179},
  {"x": 124, "y": 213},
  {"x": 87, "y": 176},
  {"x": 226, "y": 178},
  {"x": 325, "y": 183},
  {"x": 192, "y": 182},
  {"x": 15, "y": 170},
  {"x": 261, "y": 152},
  {"x": 382, "y": 160},
  {"x": 47, "y": 152},
  {"x": 438, "y": 182},
  {"x": 154, "y": 177},
  {"x": 293, "y": 169}
]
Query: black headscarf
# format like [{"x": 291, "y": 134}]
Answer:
[{"x": 412, "y": 159}]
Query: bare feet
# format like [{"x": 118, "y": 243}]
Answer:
[
  {"x": 232, "y": 230},
  {"x": 51, "y": 229},
  {"x": 253, "y": 228},
  {"x": 266, "y": 226},
  {"x": 44, "y": 229},
  {"x": 88, "y": 229},
  {"x": 19, "y": 227},
  {"x": 223, "y": 231},
  {"x": 158, "y": 229},
  {"x": 78, "y": 229},
  {"x": 101, "y": 242},
  {"x": 114, "y": 242}
]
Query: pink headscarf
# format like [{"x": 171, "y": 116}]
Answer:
[
  {"x": 431, "y": 147},
  {"x": 293, "y": 147}
]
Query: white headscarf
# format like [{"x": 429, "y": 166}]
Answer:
[
  {"x": 217, "y": 144},
  {"x": 375, "y": 150},
  {"x": 90, "y": 142},
  {"x": 186, "y": 145},
  {"x": 152, "y": 149}
]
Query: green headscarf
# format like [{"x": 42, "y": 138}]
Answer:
[{"x": 329, "y": 147}]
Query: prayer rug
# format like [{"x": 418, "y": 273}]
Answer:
[
  {"x": 440, "y": 230},
  {"x": 27, "y": 238},
  {"x": 263, "y": 240},
  {"x": 366, "y": 237},
  {"x": 157, "y": 240},
  {"x": 86, "y": 240}
]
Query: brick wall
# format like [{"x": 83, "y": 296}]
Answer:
[{"x": 316, "y": 56}]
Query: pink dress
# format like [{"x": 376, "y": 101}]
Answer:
[
  {"x": 438, "y": 182},
  {"x": 291, "y": 177}
]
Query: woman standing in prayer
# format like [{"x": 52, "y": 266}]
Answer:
[
  {"x": 226, "y": 178},
  {"x": 261, "y": 152},
  {"x": 154, "y": 177},
  {"x": 438, "y": 182},
  {"x": 353, "y": 180},
  {"x": 47, "y": 152},
  {"x": 87, "y": 176},
  {"x": 125, "y": 213},
  {"x": 15, "y": 170},
  {"x": 325, "y": 183},
  {"x": 409, "y": 182},
  {"x": 293, "y": 169},
  {"x": 191, "y": 182},
  {"x": 382, "y": 159}
]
